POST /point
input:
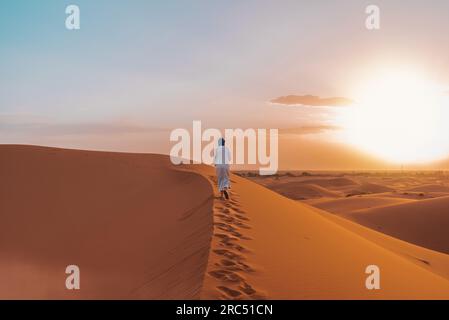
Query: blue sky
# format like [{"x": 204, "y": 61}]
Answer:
[{"x": 129, "y": 54}]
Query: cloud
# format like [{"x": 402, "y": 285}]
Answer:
[
  {"x": 315, "y": 101},
  {"x": 309, "y": 129}
]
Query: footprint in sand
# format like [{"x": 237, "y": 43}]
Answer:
[
  {"x": 241, "y": 225},
  {"x": 246, "y": 288},
  {"x": 227, "y": 276},
  {"x": 242, "y": 217},
  {"x": 230, "y": 293},
  {"x": 230, "y": 242},
  {"x": 235, "y": 265},
  {"x": 234, "y": 202},
  {"x": 234, "y": 246},
  {"x": 231, "y": 221},
  {"x": 225, "y": 237},
  {"x": 239, "y": 211},
  {"x": 229, "y": 254}
]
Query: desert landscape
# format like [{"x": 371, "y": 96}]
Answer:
[
  {"x": 140, "y": 227},
  {"x": 224, "y": 150},
  {"x": 410, "y": 205}
]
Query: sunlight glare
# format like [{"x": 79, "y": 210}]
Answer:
[{"x": 399, "y": 116}]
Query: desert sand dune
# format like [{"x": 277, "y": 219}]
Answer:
[
  {"x": 425, "y": 222},
  {"x": 350, "y": 204},
  {"x": 413, "y": 195},
  {"x": 129, "y": 221},
  {"x": 430, "y": 188},
  {"x": 268, "y": 246},
  {"x": 331, "y": 182},
  {"x": 140, "y": 228},
  {"x": 298, "y": 190},
  {"x": 368, "y": 187},
  {"x": 434, "y": 261}
]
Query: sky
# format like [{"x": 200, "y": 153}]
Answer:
[{"x": 137, "y": 69}]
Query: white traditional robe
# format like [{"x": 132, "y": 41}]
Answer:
[{"x": 222, "y": 160}]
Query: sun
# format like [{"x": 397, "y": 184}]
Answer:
[{"x": 400, "y": 116}]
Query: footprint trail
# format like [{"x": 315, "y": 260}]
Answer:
[{"x": 231, "y": 268}]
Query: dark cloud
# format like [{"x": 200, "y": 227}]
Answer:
[{"x": 315, "y": 101}]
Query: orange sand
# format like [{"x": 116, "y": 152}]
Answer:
[
  {"x": 136, "y": 226},
  {"x": 139, "y": 227}
]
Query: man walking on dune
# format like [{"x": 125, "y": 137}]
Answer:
[{"x": 222, "y": 160}]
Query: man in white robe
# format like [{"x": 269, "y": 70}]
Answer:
[{"x": 222, "y": 160}]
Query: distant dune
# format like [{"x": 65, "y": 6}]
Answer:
[
  {"x": 298, "y": 190},
  {"x": 413, "y": 195},
  {"x": 331, "y": 182},
  {"x": 424, "y": 222},
  {"x": 430, "y": 188},
  {"x": 367, "y": 187},
  {"x": 139, "y": 227},
  {"x": 347, "y": 205},
  {"x": 434, "y": 261}
]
